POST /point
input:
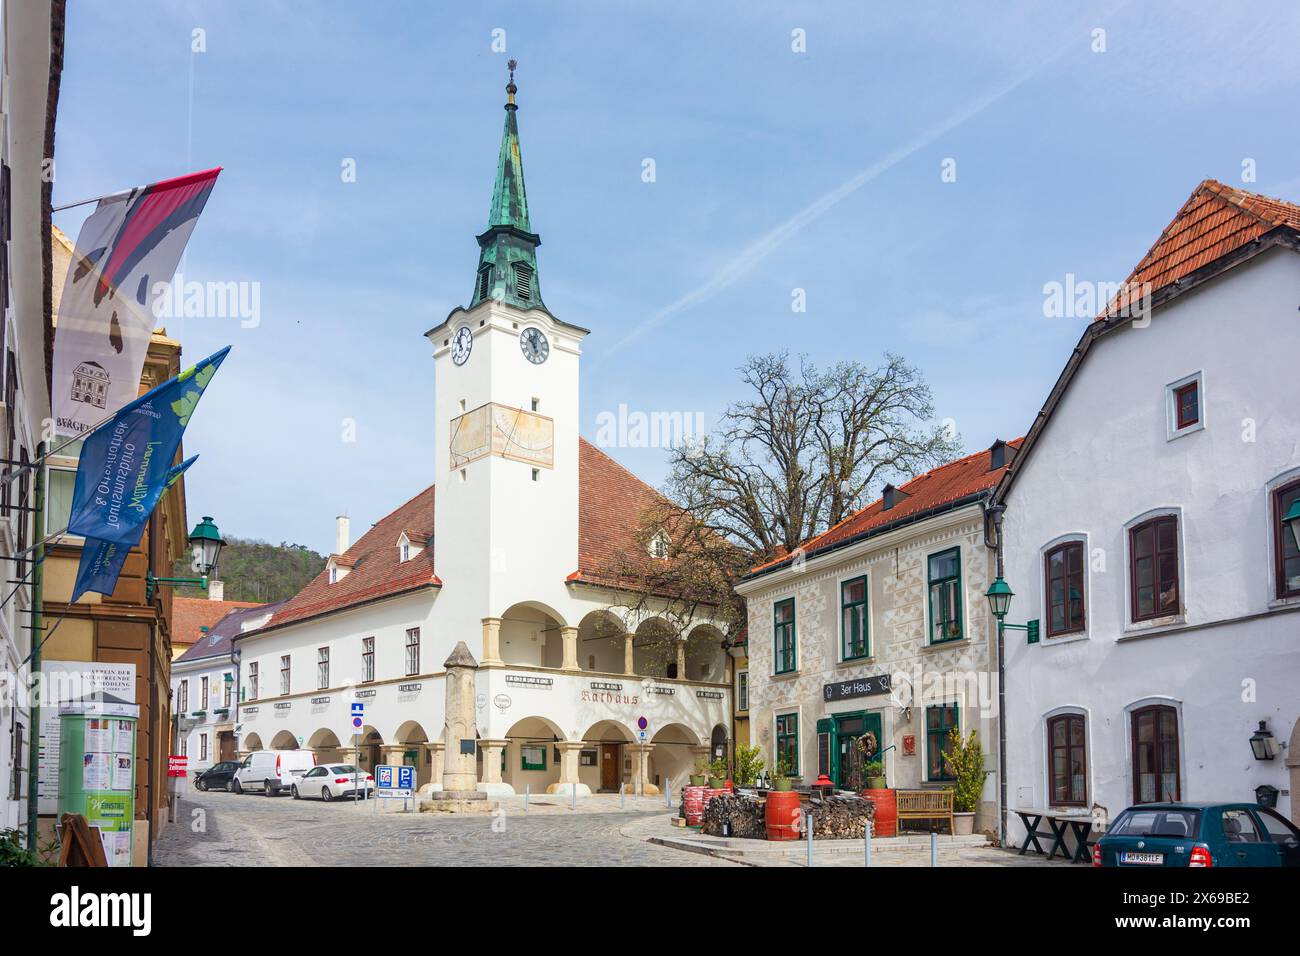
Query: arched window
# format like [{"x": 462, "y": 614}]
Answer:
[
  {"x": 1286, "y": 554},
  {"x": 1155, "y": 754},
  {"x": 1153, "y": 568},
  {"x": 1067, "y": 760}
]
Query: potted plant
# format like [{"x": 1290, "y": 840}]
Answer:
[
  {"x": 698, "y": 778},
  {"x": 781, "y": 779},
  {"x": 965, "y": 761},
  {"x": 874, "y": 772},
  {"x": 717, "y": 774},
  {"x": 748, "y": 765}
]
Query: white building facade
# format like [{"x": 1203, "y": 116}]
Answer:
[
  {"x": 1143, "y": 530},
  {"x": 874, "y": 641},
  {"x": 518, "y": 560},
  {"x": 26, "y": 115}
]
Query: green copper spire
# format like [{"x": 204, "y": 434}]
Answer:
[{"x": 507, "y": 264}]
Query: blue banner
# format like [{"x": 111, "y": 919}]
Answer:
[
  {"x": 126, "y": 462},
  {"x": 101, "y": 561}
]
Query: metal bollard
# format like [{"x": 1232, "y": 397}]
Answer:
[
  {"x": 934, "y": 848},
  {"x": 868, "y": 843},
  {"x": 573, "y": 803},
  {"x": 526, "y": 786},
  {"x": 808, "y": 825},
  {"x": 622, "y": 793},
  {"x": 668, "y": 794}
]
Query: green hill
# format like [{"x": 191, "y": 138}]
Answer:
[{"x": 260, "y": 571}]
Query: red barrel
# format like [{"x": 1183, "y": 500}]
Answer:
[
  {"x": 693, "y": 800},
  {"x": 782, "y": 815},
  {"x": 886, "y": 818}
]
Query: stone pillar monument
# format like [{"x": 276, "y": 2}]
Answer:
[{"x": 458, "y": 769}]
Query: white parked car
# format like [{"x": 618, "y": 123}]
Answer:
[
  {"x": 334, "y": 780},
  {"x": 270, "y": 771}
]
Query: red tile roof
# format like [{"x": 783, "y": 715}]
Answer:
[
  {"x": 940, "y": 486},
  {"x": 1215, "y": 221},
  {"x": 611, "y": 504},
  {"x": 217, "y": 641},
  {"x": 189, "y": 615}
]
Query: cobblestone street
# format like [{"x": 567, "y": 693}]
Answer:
[{"x": 223, "y": 829}]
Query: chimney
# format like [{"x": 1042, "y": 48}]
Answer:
[
  {"x": 892, "y": 496},
  {"x": 216, "y": 590},
  {"x": 1000, "y": 455},
  {"x": 341, "y": 542}
]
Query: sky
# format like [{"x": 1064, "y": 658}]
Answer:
[{"x": 920, "y": 172}]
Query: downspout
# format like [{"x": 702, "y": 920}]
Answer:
[
  {"x": 37, "y": 639},
  {"x": 995, "y": 512}
]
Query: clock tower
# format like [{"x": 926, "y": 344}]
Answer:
[{"x": 506, "y": 409}]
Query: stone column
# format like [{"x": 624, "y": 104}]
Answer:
[
  {"x": 629, "y": 655},
  {"x": 569, "y": 750},
  {"x": 492, "y": 759},
  {"x": 392, "y": 754},
  {"x": 681, "y": 659},
  {"x": 458, "y": 773},
  {"x": 491, "y": 640},
  {"x": 433, "y": 760},
  {"x": 569, "y": 635},
  {"x": 640, "y": 754}
]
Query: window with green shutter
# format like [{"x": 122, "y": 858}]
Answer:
[
  {"x": 945, "y": 596},
  {"x": 783, "y": 656},
  {"x": 787, "y": 743},
  {"x": 853, "y": 619}
]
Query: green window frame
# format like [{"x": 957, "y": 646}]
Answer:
[
  {"x": 855, "y": 621},
  {"x": 787, "y": 742},
  {"x": 940, "y": 719},
  {"x": 525, "y": 764},
  {"x": 784, "y": 648},
  {"x": 944, "y": 577}
]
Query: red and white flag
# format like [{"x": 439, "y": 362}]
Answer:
[{"x": 126, "y": 255}]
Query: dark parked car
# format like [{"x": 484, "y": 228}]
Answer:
[
  {"x": 217, "y": 777},
  {"x": 1198, "y": 835}
]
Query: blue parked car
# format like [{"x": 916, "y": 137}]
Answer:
[{"x": 1198, "y": 835}]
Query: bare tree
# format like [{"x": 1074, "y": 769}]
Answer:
[{"x": 802, "y": 452}]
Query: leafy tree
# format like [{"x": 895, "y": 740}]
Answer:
[{"x": 255, "y": 570}]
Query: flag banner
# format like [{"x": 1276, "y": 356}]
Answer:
[
  {"x": 126, "y": 253},
  {"x": 125, "y": 463},
  {"x": 102, "y": 561}
]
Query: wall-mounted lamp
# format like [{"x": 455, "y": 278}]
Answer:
[{"x": 1263, "y": 743}]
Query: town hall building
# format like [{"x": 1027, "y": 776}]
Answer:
[{"x": 515, "y": 552}]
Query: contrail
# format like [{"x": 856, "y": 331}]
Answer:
[{"x": 769, "y": 242}]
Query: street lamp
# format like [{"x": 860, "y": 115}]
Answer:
[
  {"x": 206, "y": 544},
  {"x": 999, "y": 596},
  {"x": 1293, "y": 519},
  {"x": 1263, "y": 743},
  {"x": 205, "y": 547}
]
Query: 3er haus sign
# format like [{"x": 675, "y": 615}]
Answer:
[{"x": 858, "y": 687}]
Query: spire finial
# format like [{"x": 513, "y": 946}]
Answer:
[{"x": 511, "y": 89}]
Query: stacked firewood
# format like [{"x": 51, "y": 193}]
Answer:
[
  {"x": 737, "y": 816},
  {"x": 841, "y": 817}
]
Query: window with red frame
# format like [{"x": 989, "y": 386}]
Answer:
[
  {"x": 1153, "y": 568},
  {"x": 1187, "y": 404},
  {"x": 1284, "y": 546},
  {"x": 1064, "y": 571}
]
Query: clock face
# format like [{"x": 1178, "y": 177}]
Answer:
[
  {"x": 534, "y": 346},
  {"x": 461, "y": 345}
]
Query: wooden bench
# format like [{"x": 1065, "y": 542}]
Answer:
[{"x": 924, "y": 805}]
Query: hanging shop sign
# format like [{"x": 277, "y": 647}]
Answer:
[{"x": 858, "y": 687}]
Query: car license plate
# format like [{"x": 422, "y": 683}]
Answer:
[{"x": 1148, "y": 858}]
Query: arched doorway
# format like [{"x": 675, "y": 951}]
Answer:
[
  {"x": 600, "y": 643},
  {"x": 654, "y": 649},
  {"x": 673, "y": 755},
  {"x": 369, "y": 750},
  {"x": 531, "y": 759},
  {"x": 284, "y": 741},
  {"x": 602, "y": 766},
  {"x": 718, "y": 745},
  {"x": 414, "y": 754},
  {"x": 252, "y": 742},
  {"x": 531, "y": 635},
  {"x": 705, "y": 658},
  {"x": 325, "y": 744}
]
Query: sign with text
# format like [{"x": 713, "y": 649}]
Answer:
[{"x": 858, "y": 687}]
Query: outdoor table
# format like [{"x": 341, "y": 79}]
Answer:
[{"x": 1059, "y": 822}]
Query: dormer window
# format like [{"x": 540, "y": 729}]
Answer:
[
  {"x": 334, "y": 575},
  {"x": 658, "y": 547},
  {"x": 410, "y": 544},
  {"x": 523, "y": 281},
  {"x": 338, "y": 567},
  {"x": 405, "y": 552}
]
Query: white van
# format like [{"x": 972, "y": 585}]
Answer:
[{"x": 270, "y": 771}]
